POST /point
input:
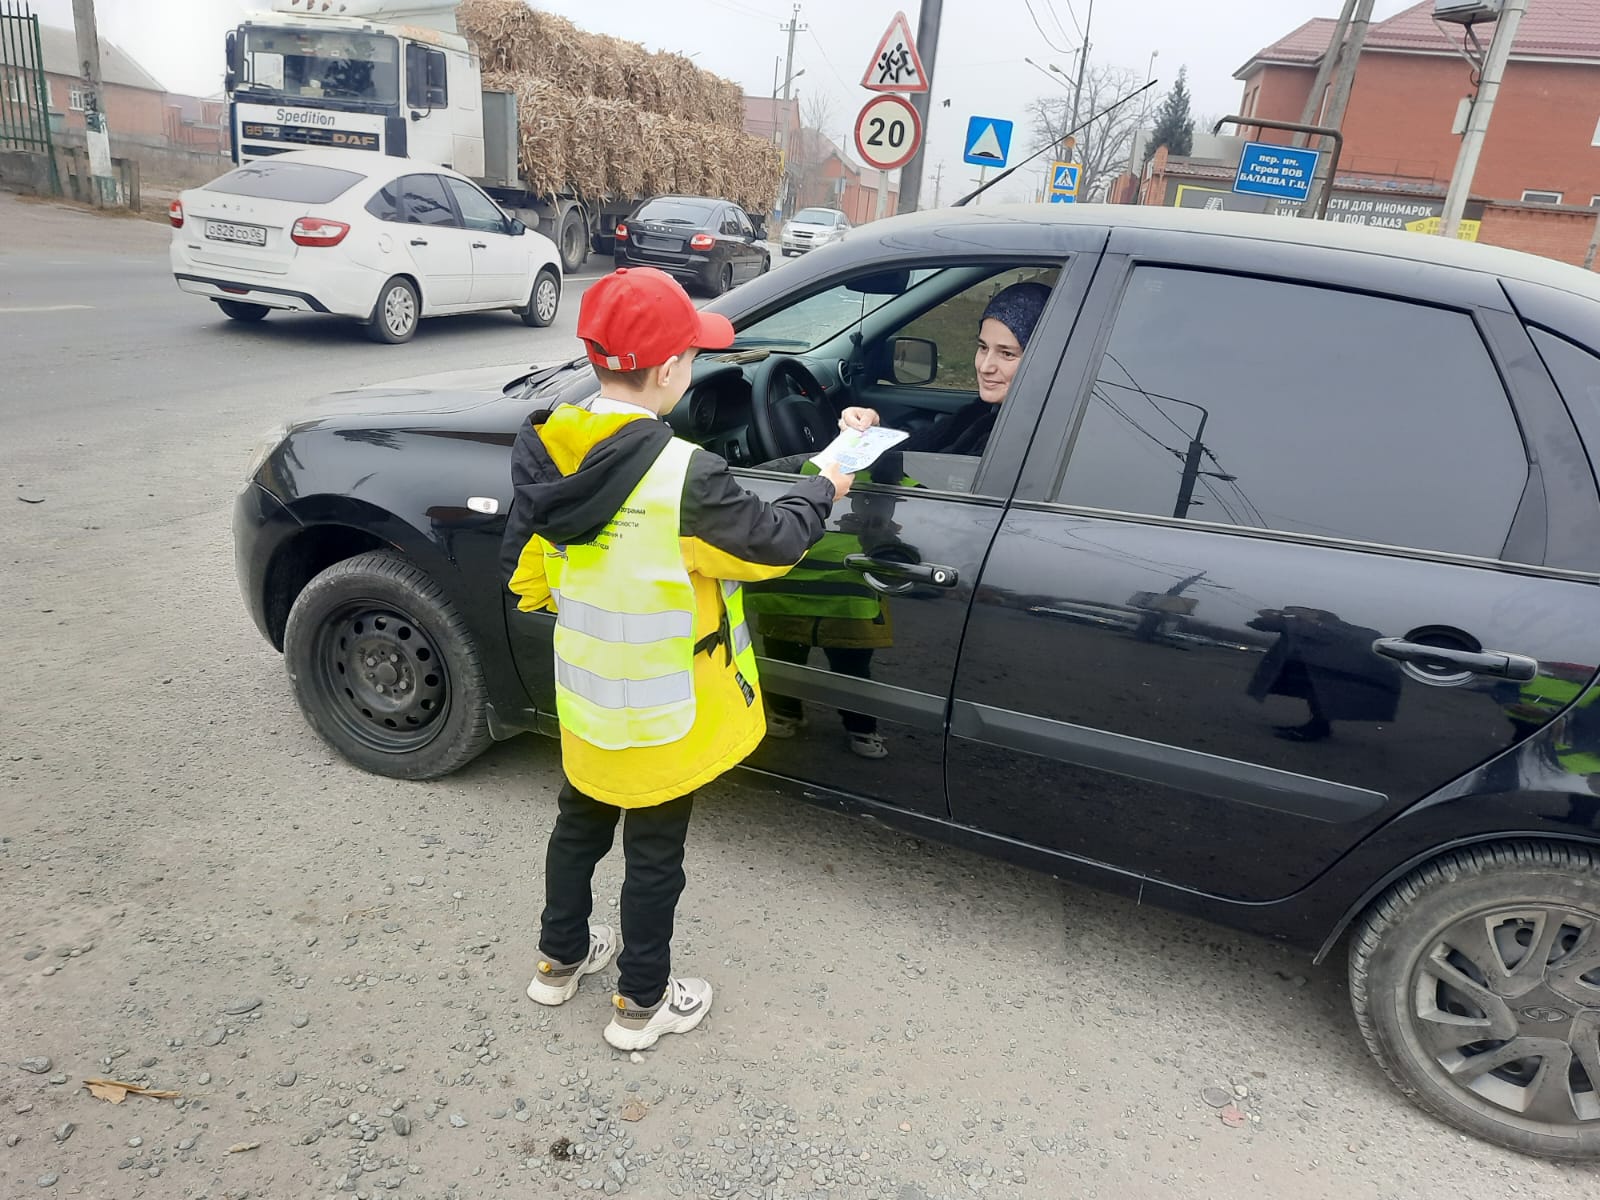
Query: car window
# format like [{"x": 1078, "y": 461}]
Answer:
[
  {"x": 814, "y": 216},
  {"x": 1300, "y": 409},
  {"x": 744, "y": 228},
  {"x": 730, "y": 224},
  {"x": 953, "y": 326},
  {"x": 426, "y": 202},
  {"x": 302, "y": 183},
  {"x": 695, "y": 213},
  {"x": 478, "y": 212},
  {"x": 819, "y": 317},
  {"x": 386, "y": 204},
  {"x": 1575, "y": 370}
]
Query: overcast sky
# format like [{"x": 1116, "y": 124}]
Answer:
[{"x": 980, "y": 70}]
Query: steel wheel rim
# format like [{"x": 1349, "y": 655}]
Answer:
[
  {"x": 381, "y": 677},
  {"x": 545, "y": 299},
  {"x": 398, "y": 310},
  {"x": 1504, "y": 1010}
]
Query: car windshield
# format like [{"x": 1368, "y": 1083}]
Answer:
[
  {"x": 315, "y": 64},
  {"x": 676, "y": 212},
  {"x": 814, "y": 216},
  {"x": 819, "y": 318},
  {"x": 274, "y": 179}
]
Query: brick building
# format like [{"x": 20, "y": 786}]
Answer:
[
  {"x": 1543, "y": 144},
  {"x": 135, "y": 103}
]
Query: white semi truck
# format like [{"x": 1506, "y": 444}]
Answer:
[{"x": 394, "y": 77}]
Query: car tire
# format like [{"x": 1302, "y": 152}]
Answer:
[
  {"x": 239, "y": 310},
  {"x": 1452, "y": 952},
  {"x": 396, "y": 314},
  {"x": 721, "y": 280},
  {"x": 544, "y": 301},
  {"x": 766, "y": 263},
  {"x": 572, "y": 241},
  {"x": 421, "y": 710}
]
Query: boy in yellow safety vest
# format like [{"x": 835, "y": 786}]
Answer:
[{"x": 638, "y": 542}]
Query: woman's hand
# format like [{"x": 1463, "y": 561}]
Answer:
[{"x": 858, "y": 419}]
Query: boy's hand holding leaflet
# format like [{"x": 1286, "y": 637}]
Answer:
[{"x": 857, "y": 449}]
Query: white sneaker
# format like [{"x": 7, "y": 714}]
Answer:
[
  {"x": 868, "y": 745},
  {"x": 780, "y": 726},
  {"x": 680, "y": 1009},
  {"x": 556, "y": 983}
]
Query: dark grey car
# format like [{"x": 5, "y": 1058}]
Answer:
[{"x": 708, "y": 244}]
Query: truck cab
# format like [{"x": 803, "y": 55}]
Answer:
[{"x": 390, "y": 76}]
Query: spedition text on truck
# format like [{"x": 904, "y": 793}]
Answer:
[{"x": 396, "y": 77}]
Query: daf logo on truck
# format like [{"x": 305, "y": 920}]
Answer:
[{"x": 300, "y": 135}]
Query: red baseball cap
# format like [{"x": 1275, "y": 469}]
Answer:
[{"x": 639, "y": 317}]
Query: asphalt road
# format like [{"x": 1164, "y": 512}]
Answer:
[{"x": 894, "y": 1019}]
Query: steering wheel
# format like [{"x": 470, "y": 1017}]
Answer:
[{"x": 789, "y": 408}]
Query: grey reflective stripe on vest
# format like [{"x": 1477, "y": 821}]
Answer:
[
  {"x": 741, "y": 631},
  {"x": 634, "y": 629},
  {"x": 624, "y": 693}
]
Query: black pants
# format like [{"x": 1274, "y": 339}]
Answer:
[
  {"x": 652, "y": 844},
  {"x": 844, "y": 660}
]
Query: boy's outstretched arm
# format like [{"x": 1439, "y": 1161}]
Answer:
[{"x": 731, "y": 533}]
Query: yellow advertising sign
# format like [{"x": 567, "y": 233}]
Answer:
[{"x": 1467, "y": 231}]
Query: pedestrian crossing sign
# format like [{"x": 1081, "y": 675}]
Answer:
[{"x": 1064, "y": 179}]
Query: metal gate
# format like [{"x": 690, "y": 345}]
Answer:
[{"x": 24, "y": 90}]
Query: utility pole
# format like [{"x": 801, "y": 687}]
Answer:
[
  {"x": 1077, "y": 91},
  {"x": 928, "y": 51},
  {"x": 1594, "y": 247},
  {"x": 792, "y": 28},
  {"x": 938, "y": 181},
  {"x": 1313, "y": 109},
  {"x": 97, "y": 136},
  {"x": 1338, "y": 100},
  {"x": 1494, "y": 70}
]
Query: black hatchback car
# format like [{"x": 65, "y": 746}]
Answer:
[
  {"x": 707, "y": 244},
  {"x": 1274, "y": 598}
]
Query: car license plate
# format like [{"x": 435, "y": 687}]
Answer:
[
  {"x": 227, "y": 231},
  {"x": 647, "y": 242}
]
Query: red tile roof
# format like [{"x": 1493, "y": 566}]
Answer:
[{"x": 1550, "y": 29}]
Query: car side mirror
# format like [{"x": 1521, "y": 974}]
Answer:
[
  {"x": 517, "y": 228},
  {"x": 914, "y": 361}
]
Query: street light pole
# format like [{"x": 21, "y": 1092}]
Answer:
[{"x": 1494, "y": 69}]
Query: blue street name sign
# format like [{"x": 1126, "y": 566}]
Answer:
[{"x": 1282, "y": 172}]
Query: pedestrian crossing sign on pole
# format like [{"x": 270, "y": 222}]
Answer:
[
  {"x": 988, "y": 142},
  {"x": 1064, "y": 182}
]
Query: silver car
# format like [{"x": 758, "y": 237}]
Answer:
[{"x": 813, "y": 227}]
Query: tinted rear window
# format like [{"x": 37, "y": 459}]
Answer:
[
  {"x": 302, "y": 183},
  {"x": 677, "y": 212}
]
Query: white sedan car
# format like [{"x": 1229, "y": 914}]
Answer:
[
  {"x": 356, "y": 234},
  {"x": 813, "y": 227}
]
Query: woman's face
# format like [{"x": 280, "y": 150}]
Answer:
[{"x": 999, "y": 352}]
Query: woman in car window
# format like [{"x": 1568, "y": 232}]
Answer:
[{"x": 1003, "y": 334}]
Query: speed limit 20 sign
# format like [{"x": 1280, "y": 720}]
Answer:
[{"x": 888, "y": 132}]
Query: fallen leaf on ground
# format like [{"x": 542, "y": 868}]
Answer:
[
  {"x": 117, "y": 1091},
  {"x": 634, "y": 1111},
  {"x": 1232, "y": 1116},
  {"x": 241, "y": 1147}
]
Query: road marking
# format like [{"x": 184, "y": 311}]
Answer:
[{"x": 43, "y": 308}]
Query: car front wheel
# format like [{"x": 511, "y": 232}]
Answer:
[
  {"x": 395, "y": 316},
  {"x": 544, "y": 301},
  {"x": 385, "y": 670},
  {"x": 1476, "y": 984}
]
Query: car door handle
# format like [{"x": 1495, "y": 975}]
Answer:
[
  {"x": 938, "y": 576},
  {"x": 480, "y": 245},
  {"x": 419, "y": 241},
  {"x": 1488, "y": 662}
]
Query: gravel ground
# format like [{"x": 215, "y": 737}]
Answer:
[{"x": 329, "y": 967}]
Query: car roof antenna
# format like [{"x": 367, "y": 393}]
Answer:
[{"x": 1049, "y": 146}]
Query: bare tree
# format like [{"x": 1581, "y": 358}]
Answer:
[
  {"x": 1104, "y": 145},
  {"x": 817, "y": 112}
]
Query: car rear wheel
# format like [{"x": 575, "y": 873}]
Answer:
[
  {"x": 238, "y": 310},
  {"x": 721, "y": 280},
  {"x": 395, "y": 316},
  {"x": 385, "y": 670},
  {"x": 1476, "y": 984},
  {"x": 544, "y": 301}
]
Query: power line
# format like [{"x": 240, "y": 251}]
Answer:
[
  {"x": 828, "y": 61},
  {"x": 1076, "y": 24},
  {"x": 1048, "y": 40},
  {"x": 1049, "y": 7}
]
